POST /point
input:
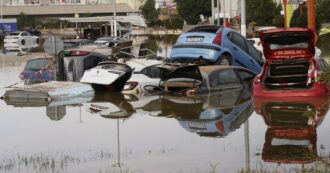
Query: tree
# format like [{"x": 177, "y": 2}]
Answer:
[
  {"x": 24, "y": 20},
  {"x": 262, "y": 11},
  {"x": 149, "y": 12},
  {"x": 323, "y": 10},
  {"x": 190, "y": 10},
  {"x": 301, "y": 20}
]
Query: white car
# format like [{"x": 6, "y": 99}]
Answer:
[
  {"x": 257, "y": 44},
  {"x": 21, "y": 39},
  {"x": 145, "y": 74}
]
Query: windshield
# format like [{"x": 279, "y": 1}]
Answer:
[{"x": 35, "y": 65}]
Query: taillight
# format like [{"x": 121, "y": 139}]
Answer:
[
  {"x": 191, "y": 92},
  {"x": 21, "y": 76},
  {"x": 220, "y": 126},
  {"x": 217, "y": 39},
  {"x": 130, "y": 85},
  {"x": 79, "y": 53}
]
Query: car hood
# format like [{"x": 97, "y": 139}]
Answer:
[{"x": 287, "y": 43}]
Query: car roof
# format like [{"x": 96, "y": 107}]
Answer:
[{"x": 204, "y": 28}]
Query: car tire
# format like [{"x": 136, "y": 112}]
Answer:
[
  {"x": 23, "y": 42},
  {"x": 224, "y": 60}
]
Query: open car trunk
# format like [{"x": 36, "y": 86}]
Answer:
[
  {"x": 288, "y": 74},
  {"x": 288, "y": 43}
]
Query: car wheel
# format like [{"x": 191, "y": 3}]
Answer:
[
  {"x": 37, "y": 41},
  {"x": 23, "y": 42},
  {"x": 224, "y": 60}
]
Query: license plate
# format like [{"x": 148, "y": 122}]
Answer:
[
  {"x": 197, "y": 125},
  {"x": 195, "y": 39}
]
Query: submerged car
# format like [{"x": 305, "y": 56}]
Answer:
[
  {"x": 216, "y": 45},
  {"x": 195, "y": 79},
  {"x": 108, "y": 76},
  {"x": 291, "y": 69},
  {"x": 37, "y": 70},
  {"x": 145, "y": 74}
]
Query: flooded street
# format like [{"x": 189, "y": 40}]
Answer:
[{"x": 224, "y": 132}]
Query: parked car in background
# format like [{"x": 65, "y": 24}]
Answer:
[
  {"x": 76, "y": 42},
  {"x": 37, "y": 70},
  {"x": 216, "y": 45},
  {"x": 109, "y": 41},
  {"x": 291, "y": 68},
  {"x": 22, "y": 38},
  {"x": 196, "y": 80}
]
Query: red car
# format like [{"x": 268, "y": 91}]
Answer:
[{"x": 291, "y": 68}]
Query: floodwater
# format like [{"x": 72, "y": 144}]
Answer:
[{"x": 225, "y": 132}]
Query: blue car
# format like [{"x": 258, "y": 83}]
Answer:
[
  {"x": 216, "y": 45},
  {"x": 37, "y": 70}
]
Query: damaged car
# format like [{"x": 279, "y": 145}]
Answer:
[
  {"x": 195, "y": 79},
  {"x": 291, "y": 67},
  {"x": 216, "y": 45}
]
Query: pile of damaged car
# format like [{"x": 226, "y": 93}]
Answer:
[{"x": 205, "y": 59}]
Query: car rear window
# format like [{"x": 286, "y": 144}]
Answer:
[
  {"x": 35, "y": 65},
  {"x": 209, "y": 29}
]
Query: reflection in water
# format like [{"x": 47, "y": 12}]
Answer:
[
  {"x": 213, "y": 115},
  {"x": 291, "y": 134}
]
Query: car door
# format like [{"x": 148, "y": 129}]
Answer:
[{"x": 239, "y": 51}]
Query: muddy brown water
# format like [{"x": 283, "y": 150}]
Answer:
[{"x": 225, "y": 132}]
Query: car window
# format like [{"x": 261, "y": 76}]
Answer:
[
  {"x": 24, "y": 34},
  {"x": 35, "y": 65},
  {"x": 237, "y": 40},
  {"x": 252, "y": 41},
  {"x": 252, "y": 51},
  {"x": 91, "y": 62},
  {"x": 151, "y": 72},
  {"x": 225, "y": 77}
]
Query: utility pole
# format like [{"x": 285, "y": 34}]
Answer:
[
  {"x": 212, "y": 8},
  {"x": 76, "y": 15},
  {"x": 114, "y": 19},
  {"x": 1, "y": 10},
  {"x": 224, "y": 13},
  {"x": 243, "y": 18},
  {"x": 218, "y": 9},
  {"x": 311, "y": 15}
]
